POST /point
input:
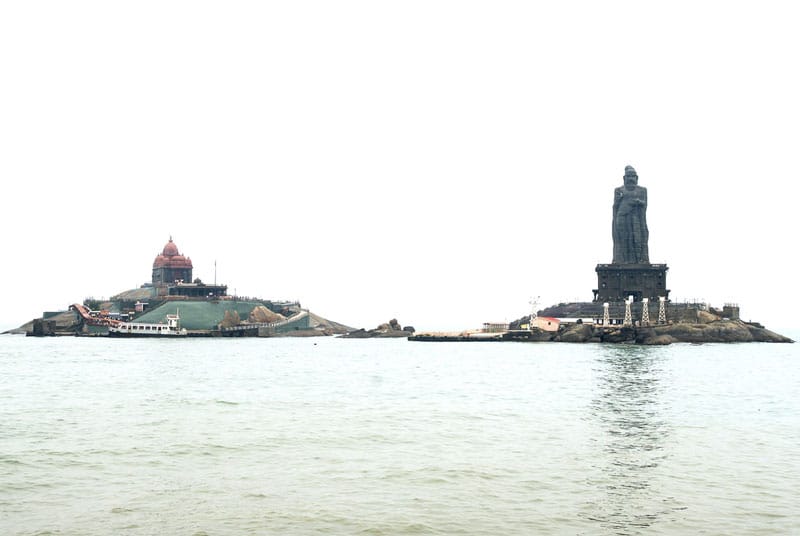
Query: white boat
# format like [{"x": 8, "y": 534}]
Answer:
[{"x": 140, "y": 329}]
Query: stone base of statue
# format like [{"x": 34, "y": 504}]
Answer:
[{"x": 616, "y": 282}]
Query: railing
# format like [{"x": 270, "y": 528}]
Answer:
[
  {"x": 245, "y": 327},
  {"x": 92, "y": 320}
]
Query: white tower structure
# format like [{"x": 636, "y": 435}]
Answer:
[
  {"x": 605, "y": 314},
  {"x": 645, "y": 311},
  {"x": 662, "y": 311},
  {"x": 534, "y": 302},
  {"x": 628, "y": 319}
]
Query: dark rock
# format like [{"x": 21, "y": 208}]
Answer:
[
  {"x": 388, "y": 330},
  {"x": 576, "y": 333},
  {"x": 643, "y": 334},
  {"x": 517, "y": 324},
  {"x": 707, "y": 330},
  {"x": 620, "y": 335},
  {"x": 42, "y": 328},
  {"x": 357, "y": 334},
  {"x": 722, "y": 331},
  {"x": 659, "y": 340},
  {"x": 392, "y": 333},
  {"x": 760, "y": 334}
]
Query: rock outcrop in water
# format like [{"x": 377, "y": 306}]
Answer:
[
  {"x": 716, "y": 331},
  {"x": 390, "y": 329}
]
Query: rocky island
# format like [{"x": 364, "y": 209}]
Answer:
[
  {"x": 631, "y": 302},
  {"x": 203, "y": 310}
]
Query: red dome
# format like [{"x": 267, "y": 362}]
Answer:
[
  {"x": 170, "y": 258},
  {"x": 179, "y": 261},
  {"x": 170, "y": 249}
]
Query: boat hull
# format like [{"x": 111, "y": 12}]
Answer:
[
  {"x": 126, "y": 335},
  {"x": 139, "y": 329}
]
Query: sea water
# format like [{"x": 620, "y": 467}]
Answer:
[{"x": 335, "y": 436}]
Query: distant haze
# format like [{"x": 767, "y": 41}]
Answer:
[{"x": 437, "y": 162}]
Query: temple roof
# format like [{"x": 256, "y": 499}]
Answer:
[{"x": 171, "y": 258}]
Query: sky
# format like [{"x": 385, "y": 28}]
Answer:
[{"x": 438, "y": 162}]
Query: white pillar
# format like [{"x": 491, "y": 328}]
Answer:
[
  {"x": 662, "y": 310},
  {"x": 645, "y": 311},
  {"x": 628, "y": 321},
  {"x": 605, "y": 314}
]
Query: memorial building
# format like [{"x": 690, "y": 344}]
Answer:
[
  {"x": 170, "y": 266},
  {"x": 172, "y": 276}
]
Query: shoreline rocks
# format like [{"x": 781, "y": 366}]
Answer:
[{"x": 716, "y": 331}]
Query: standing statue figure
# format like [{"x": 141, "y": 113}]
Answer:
[{"x": 629, "y": 228}]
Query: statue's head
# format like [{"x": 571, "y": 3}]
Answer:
[{"x": 630, "y": 178}]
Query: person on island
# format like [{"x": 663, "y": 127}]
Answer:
[{"x": 629, "y": 228}]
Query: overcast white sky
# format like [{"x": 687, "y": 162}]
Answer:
[{"x": 437, "y": 162}]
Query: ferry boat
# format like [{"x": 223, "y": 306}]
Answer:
[{"x": 140, "y": 329}]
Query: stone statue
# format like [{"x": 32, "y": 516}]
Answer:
[{"x": 629, "y": 228}]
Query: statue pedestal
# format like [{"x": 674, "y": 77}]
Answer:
[{"x": 615, "y": 282}]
